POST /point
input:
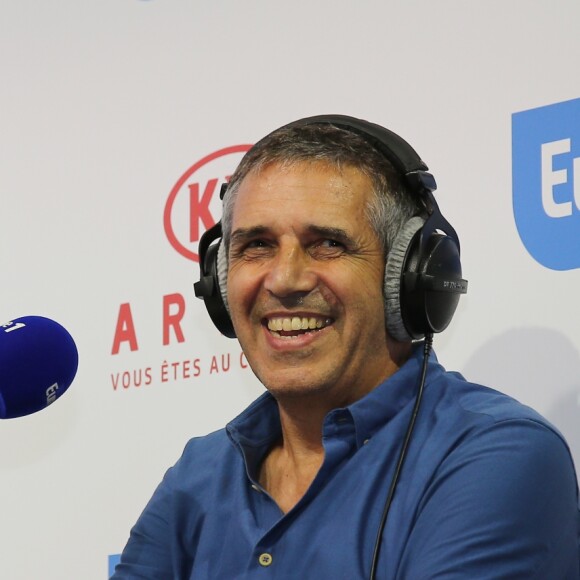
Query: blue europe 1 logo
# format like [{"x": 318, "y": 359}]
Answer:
[
  {"x": 114, "y": 559},
  {"x": 546, "y": 183}
]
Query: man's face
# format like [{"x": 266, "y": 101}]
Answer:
[{"x": 305, "y": 282}]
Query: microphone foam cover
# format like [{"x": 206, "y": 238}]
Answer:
[{"x": 38, "y": 362}]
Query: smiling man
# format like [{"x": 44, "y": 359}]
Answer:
[
  {"x": 305, "y": 292},
  {"x": 364, "y": 458}
]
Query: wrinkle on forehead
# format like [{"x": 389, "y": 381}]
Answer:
[{"x": 341, "y": 181}]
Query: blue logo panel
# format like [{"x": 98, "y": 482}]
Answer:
[
  {"x": 113, "y": 561},
  {"x": 546, "y": 183}
]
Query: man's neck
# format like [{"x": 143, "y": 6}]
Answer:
[{"x": 291, "y": 466}]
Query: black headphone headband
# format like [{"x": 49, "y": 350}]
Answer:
[
  {"x": 403, "y": 157},
  {"x": 425, "y": 264}
]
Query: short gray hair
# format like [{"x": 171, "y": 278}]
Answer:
[{"x": 392, "y": 205}]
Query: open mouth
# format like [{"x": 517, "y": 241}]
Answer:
[{"x": 290, "y": 327}]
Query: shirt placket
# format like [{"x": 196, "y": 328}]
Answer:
[{"x": 339, "y": 439}]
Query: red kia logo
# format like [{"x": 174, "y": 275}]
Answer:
[{"x": 194, "y": 199}]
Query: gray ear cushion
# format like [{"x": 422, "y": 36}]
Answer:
[
  {"x": 222, "y": 273},
  {"x": 393, "y": 272}
]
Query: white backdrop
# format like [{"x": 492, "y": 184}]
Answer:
[{"x": 105, "y": 105}]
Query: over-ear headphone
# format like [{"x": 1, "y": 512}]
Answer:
[{"x": 423, "y": 279}]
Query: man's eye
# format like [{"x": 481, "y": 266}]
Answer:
[
  {"x": 256, "y": 248},
  {"x": 248, "y": 249},
  {"x": 328, "y": 248},
  {"x": 331, "y": 244},
  {"x": 256, "y": 244}
]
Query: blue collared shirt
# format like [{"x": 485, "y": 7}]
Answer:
[{"x": 488, "y": 490}]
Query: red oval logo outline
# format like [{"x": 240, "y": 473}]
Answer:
[{"x": 177, "y": 245}]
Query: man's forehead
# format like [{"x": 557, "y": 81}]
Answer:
[
  {"x": 308, "y": 198},
  {"x": 243, "y": 234}
]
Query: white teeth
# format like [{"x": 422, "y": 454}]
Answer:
[{"x": 296, "y": 323}]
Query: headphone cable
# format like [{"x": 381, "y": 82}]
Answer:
[{"x": 427, "y": 346}]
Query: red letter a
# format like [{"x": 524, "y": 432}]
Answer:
[{"x": 125, "y": 331}]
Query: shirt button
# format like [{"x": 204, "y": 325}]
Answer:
[{"x": 265, "y": 559}]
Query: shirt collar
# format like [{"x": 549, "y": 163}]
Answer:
[
  {"x": 258, "y": 427},
  {"x": 384, "y": 402}
]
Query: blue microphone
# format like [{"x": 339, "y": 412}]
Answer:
[{"x": 38, "y": 362}]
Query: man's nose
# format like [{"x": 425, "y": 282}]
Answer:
[{"x": 290, "y": 272}]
